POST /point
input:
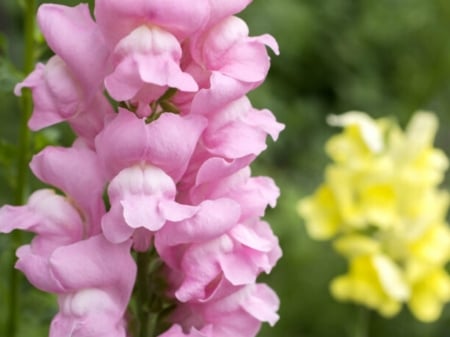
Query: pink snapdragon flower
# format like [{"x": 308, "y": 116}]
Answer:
[
  {"x": 239, "y": 255},
  {"x": 146, "y": 63},
  {"x": 238, "y": 130},
  {"x": 55, "y": 221},
  {"x": 155, "y": 92},
  {"x": 144, "y": 169},
  {"x": 70, "y": 86},
  {"x": 95, "y": 294},
  {"x": 229, "y": 311},
  {"x": 82, "y": 271},
  {"x": 76, "y": 171},
  {"x": 227, "y": 63}
]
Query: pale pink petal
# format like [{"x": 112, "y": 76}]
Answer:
[
  {"x": 35, "y": 268},
  {"x": 228, "y": 49},
  {"x": 238, "y": 129},
  {"x": 45, "y": 213},
  {"x": 173, "y": 211},
  {"x": 142, "y": 212},
  {"x": 75, "y": 171},
  {"x": 221, "y": 9},
  {"x": 114, "y": 227},
  {"x": 56, "y": 223},
  {"x": 231, "y": 311},
  {"x": 93, "y": 263},
  {"x": 142, "y": 197},
  {"x": 88, "y": 312},
  {"x": 92, "y": 118},
  {"x": 176, "y": 331},
  {"x": 263, "y": 305},
  {"x": 96, "y": 294},
  {"x": 238, "y": 269},
  {"x": 181, "y": 18},
  {"x": 148, "y": 55},
  {"x": 213, "y": 219},
  {"x": 197, "y": 278},
  {"x": 56, "y": 96},
  {"x": 73, "y": 35},
  {"x": 221, "y": 91},
  {"x": 167, "y": 143}
]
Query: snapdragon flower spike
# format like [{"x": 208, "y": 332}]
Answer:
[{"x": 170, "y": 171}]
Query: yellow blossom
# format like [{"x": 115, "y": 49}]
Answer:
[
  {"x": 375, "y": 281},
  {"x": 381, "y": 205}
]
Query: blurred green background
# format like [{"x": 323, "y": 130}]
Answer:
[{"x": 384, "y": 57}]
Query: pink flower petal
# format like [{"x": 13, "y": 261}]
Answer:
[
  {"x": 75, "y": 171},
  {"x": 148, "y": 55},
  {"x": 167, "y": 143},
  {"x": 84, "y": 55},
  {"x": 213, "y": 218},
  {"x": 181, "y": 18}
]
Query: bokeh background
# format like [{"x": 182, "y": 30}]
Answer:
[{"x": 384, "y": 57}]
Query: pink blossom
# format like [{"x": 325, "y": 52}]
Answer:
[
  {"x": 229, "y": 311},
  {"x": 221, "y": 9},
  {"x": 181, "y": 18},
  {"x": 76, "y": 171},
  {"x": 55, "y": 221},
  {"x": 227, "y": 48},
  {"x": 74, "y": 36},
  {"x": 83, "y": 272},
  {"x": 214, "y": 180},
  {"x": 144, "y": 168},
  {"x": 158, "y": 143},
  {"x": 58, "y": 97},
  {"x": 70, "y": 84},
  {"x": 238, "y": 130},
  {"x": 235, "y": 62},
  {"x": 141, "y": 197},
  {"x": 212, "y": 219},
  {"x": 240, "y": 254},
  {"x": 146, "y": 63},
  {"x": 95, "y": 295},
  {"x": 55, "y": 92},
  {"x": 171, "y": 170}
]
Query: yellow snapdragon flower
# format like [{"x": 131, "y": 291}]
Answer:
[{"x": 381, "y": 205}]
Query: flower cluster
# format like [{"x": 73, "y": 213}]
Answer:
[
  {"x": 381, "y": 205},
  {"x": 155, "y": 91}
]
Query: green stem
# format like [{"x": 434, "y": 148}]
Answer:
[
  {"x": 22, "y": 167},
  {"x": 362, "y": 322},
  {"x": 143, "y": 295}
]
